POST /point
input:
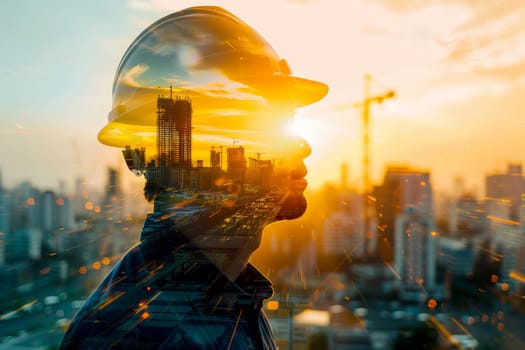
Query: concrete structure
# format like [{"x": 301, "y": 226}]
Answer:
[
  {"x": 48, "y": 204},
  {"x": 402, "y": 188},
  {"x": 467, "y": 217},
  {"x": 236, "y": 162},
  {"x": 343, "y": 234},
  {"x": 415, "y": 254},
  {"x": 25, "y": 244},
  {"x": 456, "y": 255},
  {"x": 174, "y": 140},
  {"x": 5, "y": 212},
  {"x": 509, "y": 186}
]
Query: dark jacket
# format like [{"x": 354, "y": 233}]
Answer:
[{"x": 164, "y": 295}]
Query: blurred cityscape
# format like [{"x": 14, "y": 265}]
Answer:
[{"x": 431, "y": 271}]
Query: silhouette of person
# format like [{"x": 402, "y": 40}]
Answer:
[{"x": 199, "y": 84}]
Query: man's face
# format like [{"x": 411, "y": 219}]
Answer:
[
  {"x": 202, "y": 106},
  {"x": 222, "y": 206}
]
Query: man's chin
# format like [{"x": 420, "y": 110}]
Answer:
[{"x": 293, "y": 206}]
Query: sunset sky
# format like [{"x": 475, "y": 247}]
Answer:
[{"x": 458, "y": 68}]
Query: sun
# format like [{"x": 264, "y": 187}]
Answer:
[{"x": 310, "y": 129}]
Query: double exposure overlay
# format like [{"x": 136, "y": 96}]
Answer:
[
  {"x": 267, "y": 174},
  {"x": 202, "y": 108}
]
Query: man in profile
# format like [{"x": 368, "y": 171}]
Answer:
[{"x": 201, "y": 107}]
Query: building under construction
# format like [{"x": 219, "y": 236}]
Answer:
[{"x": 174, "y": 141}]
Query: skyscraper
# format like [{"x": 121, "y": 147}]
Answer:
[
  {"x": 415, "y": 253},
  {"x": 5, "y": 209},
  {"x": 467, "y": 217},
  {"x": 343, "y": 230},
  {"x": 236, "y": 163},
  {"x": 174, "y": 140},
  {"x": 402, "y": 188},
  {"x": 509, "y": 186}
]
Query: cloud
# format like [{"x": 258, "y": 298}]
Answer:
[
  {"x": 492, "y": 35},
  {"x": 461, "y": 92},
  {"x": 479, "y": 43},
  {"x": 130, "y": 77}
]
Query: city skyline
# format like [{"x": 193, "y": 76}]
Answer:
[{"x": 458, "y": 70}]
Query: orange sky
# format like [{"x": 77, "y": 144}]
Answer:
[{"x": 458, "y": 68}]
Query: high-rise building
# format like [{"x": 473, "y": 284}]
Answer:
[
  {"x": 215, "y": 157},
  {"x": 415, "y": 254},
  {"x": 65, "y": 214},
  {"x": 48, "y": 211},
  {"x": 25, "y": 207},
  {"x": 236, "y": 163},
  {"x": 113, "y": 201},
  {"x": 402, "y": 188},
  {"x": 25, "y": 243},
  {"x": 5, "y": 212},
  {"x": 5, "y": 223},
  {"x": 456, "y": 255},
  {"x": 81, "y": 196},
  {"x": 260, "y": 172},
  {"x": 174, "y": 140},
  {"x": 509, "y": 186},
  {"x": 467, "y": 217},
  {"x": 509, "y": 237},
  {"x": 343, "y": 230}
]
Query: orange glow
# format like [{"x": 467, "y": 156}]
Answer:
[
  {"x": 494, "y": 278},
  {"x": 96, "y": 265},
  {"x": 501, "y": 326},
  {"x": 88, "y": 206},
  {"x": 97, "y": 209},
  {"x": 82, "y": 270},
  {"x": 106, "y": 260},
  {"x": 272, "y": 305},
  {"x": 145, "y": 315},
  {"x": 517, "y": 276},
  {"x": 503, "y": 220},
  {"x": 60, "y": 201},
  {"x": 432, "y": 303},
  {"x": 45, "y": 271},
  {"x": 30, "y": 201}
]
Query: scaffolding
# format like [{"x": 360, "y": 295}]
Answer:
[{"x": 174, "y": 140}]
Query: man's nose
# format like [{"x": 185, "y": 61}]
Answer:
[{"x": 304, "y": 148}]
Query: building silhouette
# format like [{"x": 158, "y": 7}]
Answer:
[
  {"x": 402, "y": 188},
  {"x": 174, "y": 120},
  {"x": 509, "y": 186},
  {"x": 467, "y": 217},
  {"x": 236, "y": 162},
  {"x": 415, "y": 254},
  {"x": 173, "y": 167},
  {"x": 215, "y": 157}
]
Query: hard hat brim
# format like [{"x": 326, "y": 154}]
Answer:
[{"x": 279, "y": 91}]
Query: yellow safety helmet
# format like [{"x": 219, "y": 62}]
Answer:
[{"x": 209, "y": 56}]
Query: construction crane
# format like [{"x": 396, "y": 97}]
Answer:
[{"x": 365, "y": 106}]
